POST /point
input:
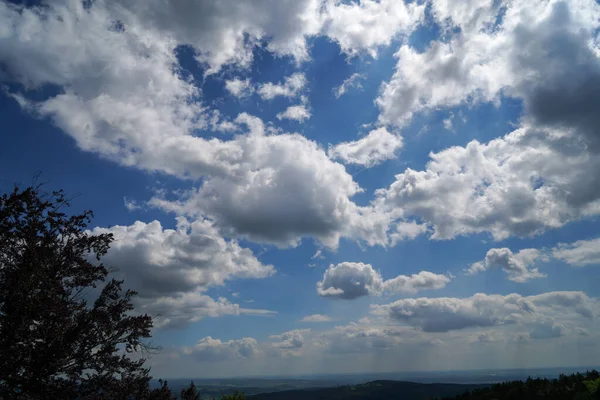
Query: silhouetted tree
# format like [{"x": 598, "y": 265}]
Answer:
[
  {"x": 566, "y": 387},
  {"x": 234, "y": 396},
  {"x": 190, "y": 393},
  {"x": 66, "y": 331}
]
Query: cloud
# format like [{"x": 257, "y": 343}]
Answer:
[
  {"x": 377, "y": 146},
  {"x": 123, "y": 98},
  {"x": 424, "y": 280},
  {"x": 290, "y": 340},
  {"x": 290, "y": 87},
  {"x": 131, "y": 205},
  {"x": 365, "y": 338},
  {"x": 297, "y": 113},
  {"x": 281, "y": 188},
  {"x": 214, "y": 350},
  {"x": 352, "y": 82},
  {"x": 170, "y": 268},
  {"x": 316, "y": 318},
  {"x": 406, "y": 231},
  {"x": 579, "y": 253},
  {"x": 515, "y": 265},
  {"x": 350, "y": 280},
  {"x": 226, "y": 32},
  {"x": 448, "y": 123},
  {"x": 362, "y": 27},
  {"x": 445, "y": 314},
  {"x": 239, "y": 88},
  {"x": 544, "y": 53},
  {"x": 547, "y": 330},
  {"x": 318, "y": 255},
  {"x": 523, "y": 184}
]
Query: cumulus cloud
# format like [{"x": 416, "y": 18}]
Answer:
[
  {"x": 516, "y": 265},
  {"x": 290, "y": 340},
  {"x": 547, "y": 330},
  {"x": 226, "y": 32},
  {"x": 281, "y": 188},
  {"x": 239, "y": 88},
  {"x": 297, "y": 113},
  {"x": 482, "y": 310},
  {"x": 290, "y": 87},
  {"x": 424, "y": 280},
  {"x": 520, "y": 185},
  {"x": 214, "y": 350},
  {"x": 352, "y": 82},
  {"x": 377, "y": 146},
  {"x": 580, "y": 253},
  {"x": 316, "y": 318},
  {"x": 122, "y": 97},
  {"x": 362, "y": 27},
  {"x": 171, "y": 267},
  {"x": 537, "y": 50},
  {"x": 406, "y": 231},
  {"x": 350, "y": 280}
]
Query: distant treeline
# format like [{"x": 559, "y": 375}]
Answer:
[{"x": 565, "y": 387}]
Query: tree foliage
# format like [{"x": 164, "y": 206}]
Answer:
[
  {"x": 566, "y": 387},
  {"x": 66, "y": 330}
]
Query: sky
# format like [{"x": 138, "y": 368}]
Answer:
[{"x": 322, "y": 186}]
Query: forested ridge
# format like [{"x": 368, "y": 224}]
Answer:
[{"x": 565, "y": 387}]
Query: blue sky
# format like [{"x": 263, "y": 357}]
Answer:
[{"x": 391, "y": 215}]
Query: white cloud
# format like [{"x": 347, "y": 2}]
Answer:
[
  {"x": 290, "y": 340},
  {"x": 124, "y": 99},
  {"x": 316, "y": 318},
  {"x": 516, "y": 265},
  {"x": 580, "y": 253},
  {"x": 121, "y": 95},
  {"x": 362, "y": 27},
  {"x": 351, "y": 82},
  {"x": 482, "y": 310},
  {"x": 406, "y": 231},
  {"x": 448, "y": 123},
  {"x": 131, "y": 205},
  {"x": 281, "y": 188},
  {"x": 239, "y": 88},
  {"x": 424, "y": 280},
  {"x": 350, "y": 280},
  {"x": 377, "y": 146},
  {"x": 290, "y": 87},
  {"x": 297, "y": 113},
  {"x": 522, "y": 184},
  {"x": 214, "y": 350},
  {"x": 171, "y": 268},
  {"x": 520, "y": 57},
  {"x": 318, "y": 255},
  {"x": 226, "y": 32}
]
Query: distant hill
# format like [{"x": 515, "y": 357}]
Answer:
[
  {"x": 376, "y": 390},
  {"x": 566, "y": 387}
]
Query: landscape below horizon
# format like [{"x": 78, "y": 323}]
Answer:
[
  {"x": 314, "y": 191},
  {"x": 466, "y": 380}
]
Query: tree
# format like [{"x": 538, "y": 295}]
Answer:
[
  {"x": 66, "y": 330},
  {"x": 234, "y": 396},
  {"x": 190, "y": 393}
]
